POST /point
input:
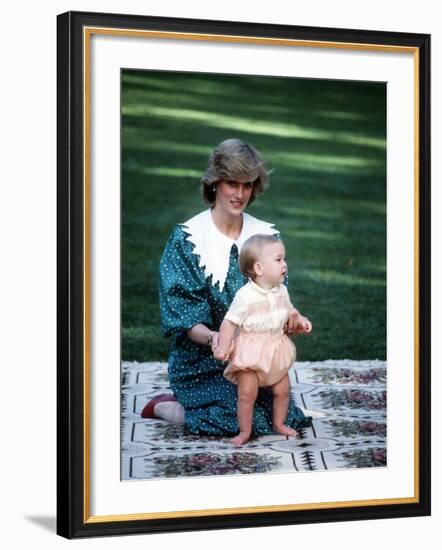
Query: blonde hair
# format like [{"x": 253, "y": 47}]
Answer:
[
  {"x": 234, "y": 160},
  {"x": 251, "y": 251}
]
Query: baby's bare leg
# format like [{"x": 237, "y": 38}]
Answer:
[
  {"x": 247, "y": 394},
  {"x": 281, "y": 395}
]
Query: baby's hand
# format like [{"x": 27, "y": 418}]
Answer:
[
  {"x": 221, "y": 354},
  {"x": 304, "y": 325},
  {"x": 292, "y": 322}
]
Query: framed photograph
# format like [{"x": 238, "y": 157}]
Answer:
[{"x": 191, "y": 155}]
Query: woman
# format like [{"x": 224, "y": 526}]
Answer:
[{"x": 199, "y": 276}]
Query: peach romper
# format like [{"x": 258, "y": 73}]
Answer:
[{"x": 261, "y": 344}]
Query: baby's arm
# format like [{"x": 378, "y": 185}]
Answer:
[
  {"x": 226, "y": 334},
  {"x": 233, "y": 319},
  {"x": 297, "y": 323}
]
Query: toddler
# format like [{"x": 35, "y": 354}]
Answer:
[{"x": 252, "y": 336}]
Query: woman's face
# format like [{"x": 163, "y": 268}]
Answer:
[{"x": 233, "y": 196}]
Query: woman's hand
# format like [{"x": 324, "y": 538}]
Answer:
[
  {"x": 223, "y": 343},
  {"x": 203, "y": 335},
  {"x": 214, "y": 341}
]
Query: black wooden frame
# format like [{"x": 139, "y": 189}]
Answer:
[{"x": 70, "y": 269}]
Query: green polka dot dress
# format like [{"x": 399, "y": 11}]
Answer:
[{"x": 189, "y": 297}]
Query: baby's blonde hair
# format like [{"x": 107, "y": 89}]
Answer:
[{"x": 251, "y": 251}]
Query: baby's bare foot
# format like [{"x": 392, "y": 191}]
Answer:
[
  {"x": 285, "y": 430},
  {"x": 240, "y": 439}
]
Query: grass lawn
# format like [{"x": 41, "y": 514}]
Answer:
[{"x": 325, "y": 141}]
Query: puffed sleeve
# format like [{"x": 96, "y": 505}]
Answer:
[
  {"x": 286, "y": 295},
  {"x": 238, "y": 310},
  {"x": 183, "y": 295}
]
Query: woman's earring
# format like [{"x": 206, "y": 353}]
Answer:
[{"x": 213, "y": 189}]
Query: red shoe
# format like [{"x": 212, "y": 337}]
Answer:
[{"x": 148, "y": 411}]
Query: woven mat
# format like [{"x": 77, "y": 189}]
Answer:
[{"x": 347, "y": 400}]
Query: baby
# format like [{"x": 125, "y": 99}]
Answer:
[{"x": 261, "y": 354}]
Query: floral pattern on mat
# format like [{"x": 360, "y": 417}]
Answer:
[
  {"x": 325, "y": 375},
  {"x": 348, "y": 400},
  {"x": 194, "y": 464},
  {"x": 353, "y": 399},
  {"x": 365, "y": 458}
]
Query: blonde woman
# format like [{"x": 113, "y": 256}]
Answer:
[{"x": 199, "y": 276}]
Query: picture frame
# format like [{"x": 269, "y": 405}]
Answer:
[{"x": 77, "y": 435}]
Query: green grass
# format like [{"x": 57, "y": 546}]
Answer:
[{"x": 325, "y": 141}]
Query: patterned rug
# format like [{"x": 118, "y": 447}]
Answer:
[{"x": 347, "y": 400}]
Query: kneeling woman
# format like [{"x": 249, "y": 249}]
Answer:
[{"x": 199, "y": 276}]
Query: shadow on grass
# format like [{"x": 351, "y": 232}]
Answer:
[{"x": 325, "y": 141}]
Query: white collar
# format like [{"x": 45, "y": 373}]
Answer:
[
  {"x": 255, "y": 286},
  {"x": 213, "y": 247}
]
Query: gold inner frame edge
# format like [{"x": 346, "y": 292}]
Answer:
[{"x": 87, "y": 34}]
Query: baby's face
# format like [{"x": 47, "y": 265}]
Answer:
[{"x": 273, "y": 264}]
